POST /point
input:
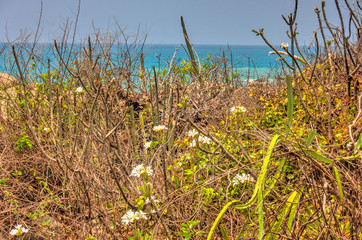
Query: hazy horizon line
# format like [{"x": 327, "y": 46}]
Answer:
[{"x": 154, "y": 44}]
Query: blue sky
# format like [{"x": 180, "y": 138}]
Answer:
[{"x": 207, "y": 21}]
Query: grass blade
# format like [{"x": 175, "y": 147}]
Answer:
[{"x": 338, "y": 178}]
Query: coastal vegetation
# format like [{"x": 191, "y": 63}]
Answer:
[{"x": 96, "y": 146}]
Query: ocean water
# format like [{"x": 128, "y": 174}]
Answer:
[{"x": 251, "y": 62}]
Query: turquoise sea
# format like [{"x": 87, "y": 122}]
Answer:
[{"x": 251, "y": 62}]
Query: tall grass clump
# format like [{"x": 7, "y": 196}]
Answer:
[{"x": 96, "y": 146}]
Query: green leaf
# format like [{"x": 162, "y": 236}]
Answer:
[
  {"x": 338, "y": 178},
  {"x": 260, "y": 212},
  {"x": 256, "y": 32},
  {"x": 193, "y": 223},
  {"x": 283, "y": 215},
  {"x": 358, "y": 143},
  {"x": 320, "y": 157},
  {"x": 290, "y": 105},
  {"x": 294, "y": 209},
  {"x": 185, "y": 234},
  {"x": 311, "y": 137},
  {"x": 224, "y": 233}
]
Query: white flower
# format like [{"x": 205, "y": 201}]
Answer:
[
  {"x": 193, "y": 143},
  {"x": 142, "y": 214},
  {"x": 237, "y": 109},
  {"x": 147, "y": 201},
  {"x": 18, "y": 230},
  {"x": 192, "y": 133},
  {"x": 350, "y": 145},
  {"x": 242, "y": 178},
  {"x": 159, "y": 128},
  {"x": 204, "y": 139},
  {"x": 140, "y": 170},
  {"x": 79, "y": 90},
  {"x": 130, "y": 216},
  {"x": 284, "y": 45},
  {"x": 148, "y": 144}
]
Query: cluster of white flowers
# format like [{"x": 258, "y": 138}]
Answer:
[
  {"x": 242, "y": 178},
  {"x": 284, "y": 45},
  {"x": 147, "y": 201},
  {"x": 204, "y": 139},
  {"x": 140, "y": 170},
  {"x": 130, "y": 216},
  {"x": 148, "y": 144},
  {"x": 79, "y": 90},
  {"x": 196, "y": 135},
  {"x": 159, "y": 128},
  {"x": 18, "y": 231},
  {"x": 192, "y": 133},
  {"x": 237, "y": 109}
]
